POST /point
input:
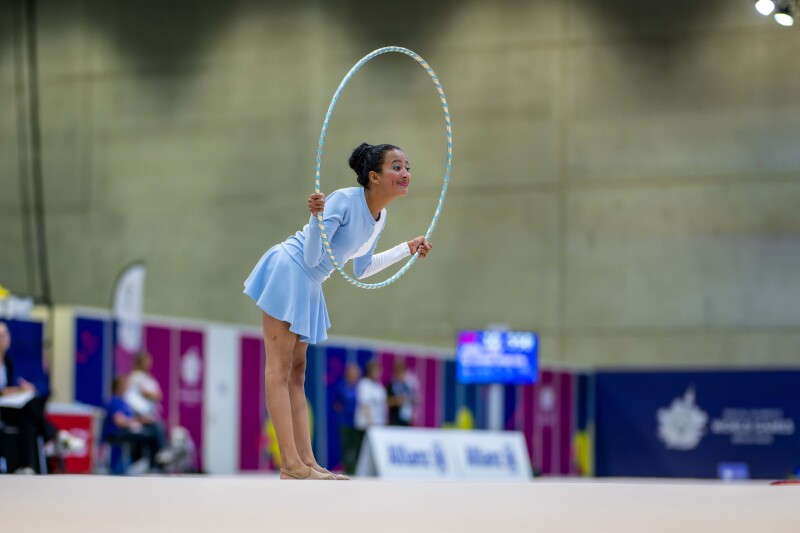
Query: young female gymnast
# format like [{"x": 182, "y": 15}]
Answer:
[{"x": 286, "y": 284}]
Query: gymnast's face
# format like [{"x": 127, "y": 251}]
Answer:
[{"x": 395, "y": 176}]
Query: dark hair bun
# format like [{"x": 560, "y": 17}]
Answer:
[
  {"x": 358, "y": 156},
  {"x": 368, "y": 158}
]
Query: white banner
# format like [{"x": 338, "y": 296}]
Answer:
[
  {"x": 128, "y": 306},
  {"x": 417, "y": 453},
  {"x": 13, "y": 307}
]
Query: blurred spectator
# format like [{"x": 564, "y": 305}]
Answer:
[
  {"x": 345, "y": 406},
  {"x": 30, "y": 418},
  {"x": 184, "y": 452},
  {"x": 370, "y": 398},
  {"x": 123, "y": 425},
  {"x": 144, "y": 393},
  {"x": 402, "y": 395}
]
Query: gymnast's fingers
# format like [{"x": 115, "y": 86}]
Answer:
[{"x": 316, "y": 203}]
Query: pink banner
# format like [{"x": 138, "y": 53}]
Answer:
[
  {"x": 191, "y": 362},
  {"x": 546, "y": 416},
  {"x": 123, "y": 360},
  {"x": 252, "y": 410},
  {"x": 158, "y": 343},
  {"x": 428, "y": 393},
  {"x": 387, "y": 360}
]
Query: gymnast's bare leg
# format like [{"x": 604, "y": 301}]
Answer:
[
  {"x": 297, "y": 397},
  {"x": 279, "y": 345}
]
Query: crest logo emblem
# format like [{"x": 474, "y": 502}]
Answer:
[
  {"x": 191, "y": 368},
  {"x": 682, "y": 425}
]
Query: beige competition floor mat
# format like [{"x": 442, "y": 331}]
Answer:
[{"x": 265, "y": 504}]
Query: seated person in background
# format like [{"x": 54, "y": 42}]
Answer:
[
  {"x": 30, "y": 418},
  {"x": 122, "y": 424},
  {"x": 144, "y": 393}
]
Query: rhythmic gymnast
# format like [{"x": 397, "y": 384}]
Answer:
[{"x": 286, "y": 285}]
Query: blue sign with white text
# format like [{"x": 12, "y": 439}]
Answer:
[
  {"x": 509, "y": 357},
  {"x": 701, "y": 424}
]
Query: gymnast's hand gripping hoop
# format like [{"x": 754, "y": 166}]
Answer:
[{"x": 448, "y": 164}]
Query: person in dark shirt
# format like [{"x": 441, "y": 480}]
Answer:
[
  {"x": 401, "y": 396},
  {"x": 30, "y": 418},
  {"x": 345, "y": 406}
]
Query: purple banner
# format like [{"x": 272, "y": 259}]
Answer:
[
  {"x": 191, "y": 362},
  {"x": 252, "y": 410},
  {"x": 123, "y": 360},
  {"x": 158, "y": 343},
  {"x": 545, "y": 414},
  {"x": 429, "y": 393}
]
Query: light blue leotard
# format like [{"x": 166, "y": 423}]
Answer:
[{"x": 287, "y": 281}]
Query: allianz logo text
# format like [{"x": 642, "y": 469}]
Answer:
[
  {"x": 479, "y": 458},
  {"x": 410, "y": 457}
]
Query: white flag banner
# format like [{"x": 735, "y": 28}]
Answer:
[{"x": 128, "y": 307}]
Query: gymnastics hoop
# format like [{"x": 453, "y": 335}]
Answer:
[{"x": 448, "y": 164}]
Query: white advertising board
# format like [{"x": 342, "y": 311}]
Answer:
[{"x": 417, "y": 453}]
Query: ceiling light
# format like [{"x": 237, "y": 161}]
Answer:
[
  {"x": 765, "y": 7},
  {"x": 784, "y": 18}
]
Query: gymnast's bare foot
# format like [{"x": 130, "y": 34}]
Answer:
[
  {"x": 325, "y": 471},
  {"x": 307, "y": 473}
]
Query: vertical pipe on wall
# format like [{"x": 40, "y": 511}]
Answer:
[
  {"x": 23, "y": 155},
  {"x": 37, "y": 180}
]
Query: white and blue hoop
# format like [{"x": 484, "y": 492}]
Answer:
[{"x": 448, "y": 164}]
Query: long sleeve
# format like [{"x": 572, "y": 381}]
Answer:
[
  {"x": 334, "y": 215},
  {"x": 372, "y": 264},
  {"x": 362, "y": 393}
]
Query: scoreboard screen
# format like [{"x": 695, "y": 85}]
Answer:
[{"x": 490, "y": 356}]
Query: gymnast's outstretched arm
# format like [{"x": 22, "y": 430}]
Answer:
[{"x": 369, "y": 264}]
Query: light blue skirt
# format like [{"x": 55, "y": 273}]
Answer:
[{"x": 283, "y": 290}]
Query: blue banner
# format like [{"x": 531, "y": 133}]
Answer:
[
  {"x": 697, "y": 424},
  {"x": 89, "y": 361},
  {"x": 27, "y": 343}
]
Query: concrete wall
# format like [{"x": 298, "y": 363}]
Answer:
[{"x": 626, "y": 175}]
